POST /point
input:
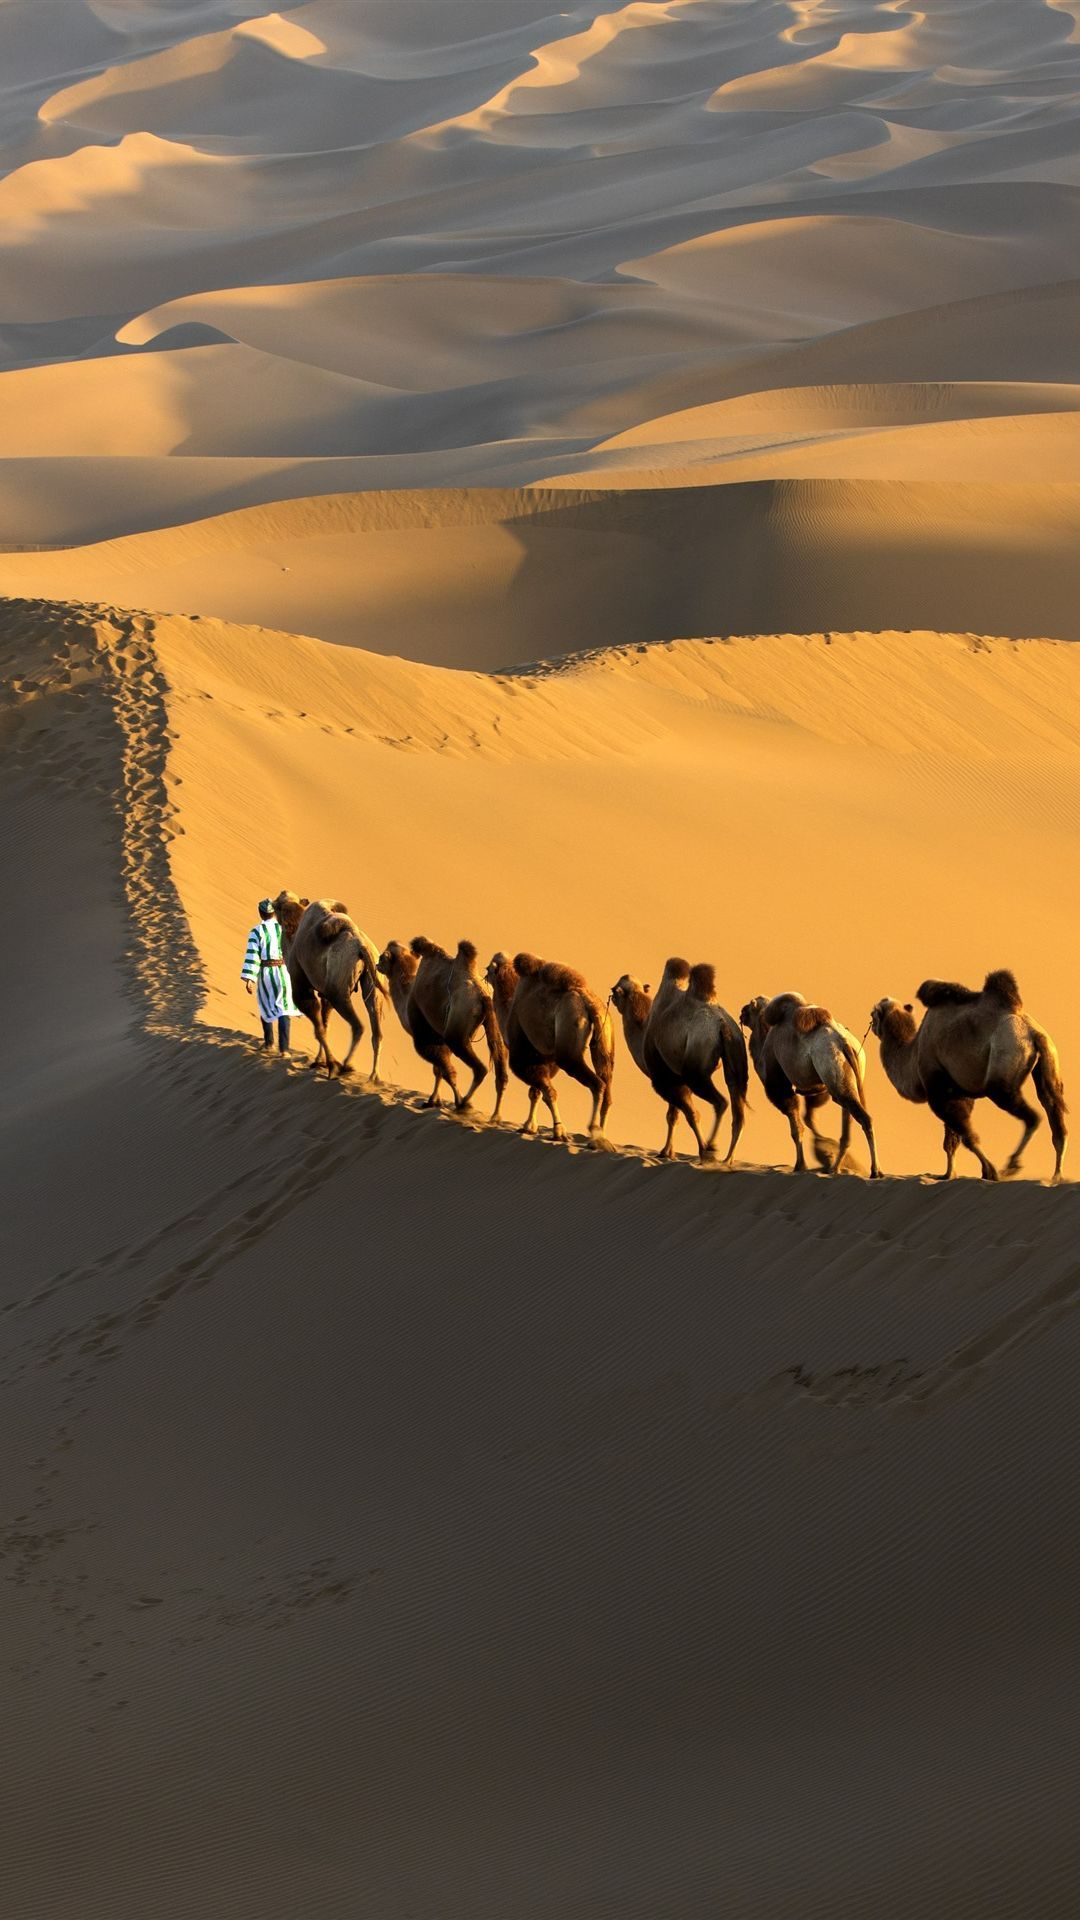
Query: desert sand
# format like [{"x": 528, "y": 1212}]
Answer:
[{"x": 604, "y": 482}]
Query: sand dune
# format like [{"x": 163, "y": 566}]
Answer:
[
  {"x": 489, "y": 578},
  {"x": 358, "y": 1549},
  {"x": 592, "y": 812},
  {"x": 545, "y": 476},
  {"x": 406, "y": 251}
]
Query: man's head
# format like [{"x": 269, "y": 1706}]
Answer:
[{"x": 266, "y": 909}]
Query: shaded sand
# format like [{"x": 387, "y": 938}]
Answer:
[
  {"x": 487, "y": 578},
  {"x": 400, "y": 1519}
]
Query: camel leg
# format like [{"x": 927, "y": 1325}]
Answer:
[
  {"x": 954, "y": 1112},
  {"x": 854, "y": 1110},
  {"x": 467, "y": 1053},
  {"x": 530, "y": 1118},
  {"x": 790, "y": 1111},
  {"x": 738, "y": 1121},
  {"x": 370, "y": 995},
  {"x": 304, "y": 996},
  {"x": 320, "y": 1008},
  {"x": 845, "y": 1139},
  {"x": 667, "y": 1151},
  {"x": 341, "y": 1003},
  {"x": 706, "y": 1089},
  {"x": 443, "y": 1068},
  {"x": 682, "y": 1103},
  {"x": 783, "y": 1097},
  {"x": 1012, "y": 1101},
  {"x": 558, "y": 1131},
  {"x": 811, "y": 1103},
  {"x": 951, "y": 1144},
  {"x": 1052, "y": 1101},
  {"x": 580, "y": 1071}
]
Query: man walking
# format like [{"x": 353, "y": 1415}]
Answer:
[{"x": 265, "y": 972}]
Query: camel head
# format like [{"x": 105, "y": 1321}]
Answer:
[
  {"x": 501, "y": 974},
  {"x": 753, "y": 1012},
  {"x": 397, "y": 962},
  {"x": 892, "y": 1019},
  {"x": 290, "y": 909},
  {"x": 629, "y": 996}
]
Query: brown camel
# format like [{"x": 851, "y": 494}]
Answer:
[
  {"x": 442, "y": 1003},
  {"x": 328, "y": 957},
  {"x": 551, "y": 1019},
  {"x": 801, "y": 1050},
  {"x": 633, "y": 1002},
  {"x": 689, "y": 1034},
  {"x": 972, "y": 1045}
]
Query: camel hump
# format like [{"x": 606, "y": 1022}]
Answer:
[
  {"x": 703, "y": 981},
  {"x": 945, "y": 993},
  {"x": 677, "y": 968},
  {"x": 338, "y": 906},
  {"x": 809, "y": 1019},
  {"x": 333, "y": 924},
  {"x": 425, "y": 949},
  {"x": 528, "y": 964},
  {"x": 467, "y": 951},
  {"x": 1003, "y": 985},
  {"x": 563, "y": 979}
]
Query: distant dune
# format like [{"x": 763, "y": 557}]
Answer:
[
  {"x": 487, "y": 578},
  {"x": 260, "y": 258}
]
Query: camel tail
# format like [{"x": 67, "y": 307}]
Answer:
[
  {"x": 736, "y": 1065},
  {"x": 602, "y": 1044},
  {"x": 372, "y": 981},
  {"x": 496, "y": 1045},
  {"x": 1046, "y": 1075},
  {"x": 851, "y": 1055}
]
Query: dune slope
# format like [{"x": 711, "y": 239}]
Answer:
[
  {"x": 378, "y": 1532},
  {"x": 483, "y": 578}
]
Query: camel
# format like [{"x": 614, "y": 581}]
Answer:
[
  {"x": 551, "y": 1019},
  {"x": 973, "y": 1044},
  {"x": 442, "y": 1003},
  {"x": 801, "y": 1050},
  {"x": 328, "y": 957},
  {"x": 633, "y": 1002},
  {"x": 688, "y": 1035}
]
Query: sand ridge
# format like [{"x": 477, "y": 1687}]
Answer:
[
  {"x": 298, "y": 1464},
  {"x": 432, "y": 783}
]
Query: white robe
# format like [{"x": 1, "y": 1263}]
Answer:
[{"x": 275, "y": 994}]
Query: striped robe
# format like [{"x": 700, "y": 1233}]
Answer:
[{"x": 275, "y": 994}]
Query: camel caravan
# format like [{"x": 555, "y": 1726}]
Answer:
[{"x": 537, "y": 1019}]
